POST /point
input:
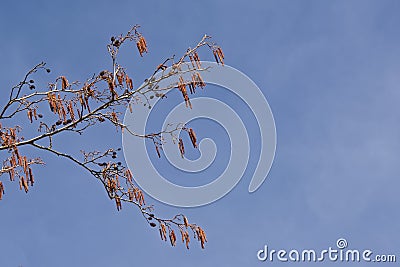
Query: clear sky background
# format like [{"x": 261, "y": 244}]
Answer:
[{"x": 330, "y": 72}]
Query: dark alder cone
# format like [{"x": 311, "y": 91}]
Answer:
[{"x": 153, "y": 224}]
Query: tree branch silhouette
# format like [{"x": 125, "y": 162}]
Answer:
[{"x": 76, "y": 107}]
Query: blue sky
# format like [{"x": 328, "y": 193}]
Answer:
[{"x": 330, "y": 72}]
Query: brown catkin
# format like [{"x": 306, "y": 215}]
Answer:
[
  {"x": 71, "y": 111},
  {"x": 158, "y": 151},
  {"x": 187, "y": 238},
  {"x": 192, "y": 60},
  {"x": 193, "y": 137},
  {"x": 120, "y": 78},
  {"x": 29, "y": 113},
  {"x": 182, "y": 235},
  {"x": 64, "y": 82},
  {"x": 181, "y": 147},
  {"x": 215, "y": 56},
  {"x": 1, "y": 190},
  {"x": 197, "y": 59},
  {"x": 163, "y": 232},
  {"x": 185, "y": 221},
  {"x": 24, "y": 184},
  {"x": 220, "y": 55},
  {"x": 172, "y": 238},
  {"x": 144, "y": 44},
  {"x": 31, "y": 178},
  {"x": 118, "y": 203}
]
